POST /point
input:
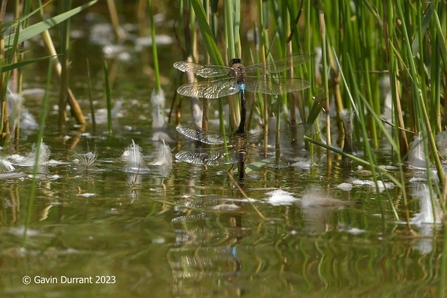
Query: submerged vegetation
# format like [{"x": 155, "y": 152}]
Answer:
[{"x": 370, "y": 102}]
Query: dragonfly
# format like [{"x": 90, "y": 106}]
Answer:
[
  {"x": 237, "y": 78},
  {"x": 242, "y": 145}
]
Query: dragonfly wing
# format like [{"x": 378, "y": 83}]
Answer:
[
  {"x": 274, "y": 86},
  {"x": 210, "y": 89},
  {"x": 209, "y": 138},
  {"x": 277, "y": 66},
  {"x": 205, "y": 71},
  {"x": 209, "y": 158}
]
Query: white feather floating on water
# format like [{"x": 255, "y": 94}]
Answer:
[
  {"x": 427, "y": 219},
  {"x": 16, "y": 109},
  {"x": 385, "y": 92},
  {"x": 280, "y": 197},
  {"x": 134, "y": 159},
  {"x": 345, "y": 186},
  {"x": 163, "y": 155},
  {"x": 158, "y": 105},
  {"x": 6, "y": 166},
  {"x": 426, "y": 214},
  {"x": 101, "y": 114},
  {"x": 416, "y": 156},
  {"x": 30, "y": 159},
  {"x": 15, "y": 103},
  {"x": 159, "y": 131},
  {"x": 380, "y": 184},
  {"x": 316, "y": 198}
]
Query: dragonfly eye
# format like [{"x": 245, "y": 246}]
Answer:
[{"x": 235, "y": 60}]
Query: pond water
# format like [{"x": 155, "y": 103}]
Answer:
[{"x": 189, "y": 231}]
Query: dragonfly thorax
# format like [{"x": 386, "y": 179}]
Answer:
[{"x": 239, "y": 70}]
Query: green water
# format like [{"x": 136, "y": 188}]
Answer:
[
  {"x": 190, "y": 232},
  {"x": 174, "y": 241}
]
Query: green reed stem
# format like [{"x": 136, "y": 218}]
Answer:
[
  {"x": 65, "y": 45},
  {"x": 420, "y": 102},
  {"x": 421, "y": 106},
  {"x": 360, "y": 161},
  {"x": 230, "y": 39},
  {"x": 214, "y": 20},
  {"x": 212, "y": 50},
  {"x": 230, "y": 175},
  {"x": 90, "y": 97},
  {"x": 207, "y": 35},
  {"x": 325, "y": 79},
  {"x": 263, "y": 12},
  {"x": 29, "y": 209},
  {"x": 108, "y": 97},
  {"x": 361, "y": 104},
  {"x": 49, "y": 46},
  {"x": 3, "y": 81},
  {"x": 436, "y": 72},
  {"x": 20, "y": 56},
  {"x": 154, "y": 48},
  {"x": 206, "y": 101},
  {"x": 366, "y": 64}
]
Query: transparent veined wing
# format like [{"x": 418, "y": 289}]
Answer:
[
  {"x": 248, "y": 148},
  {"x": 277, "y": 65},
  {"x": 210, "y": 89},
  {"x": 199, "y": 157},
  {"x": 205, "y": 71},
  {"x": 191, "y": 132},
  {"x": 274, "y": 86}
]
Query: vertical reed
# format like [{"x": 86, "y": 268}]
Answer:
[
  {"x": 108, "y": 98},
  {"x": 65, "y": 45},
  {"x": 154, "y": 48},
  {"x": 43, "y": 117}
]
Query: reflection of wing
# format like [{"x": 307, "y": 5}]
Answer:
[
  {"x": 198, "y": 135},
  {"x": 274, "y": 86},
  {"x": 210, "y": 89},
  {"x": 277, "y": 66},
  {"x": 203, "y": 157},
  {"x": 209, "y": 158},
  {"x": 208, "y": 71}
]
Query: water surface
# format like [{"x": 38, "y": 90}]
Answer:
[{"x": 190, "y": 231}]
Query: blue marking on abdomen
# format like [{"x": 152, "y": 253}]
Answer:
[{"x": 241, "y": 86}]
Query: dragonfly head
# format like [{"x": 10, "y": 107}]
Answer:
[{"x": 235, "y": 60}]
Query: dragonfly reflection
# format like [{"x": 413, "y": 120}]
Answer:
[
  {"x": 237, "y": 78},
  {"x": 241, "y": 147}
]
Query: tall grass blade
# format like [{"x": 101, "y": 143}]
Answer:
[
  {"x": 29, "y": 210},
  {"x": 108, "y": 97},
  {"x": 154, "y": 48},
  {"x": 40, "y": 27},
  {"x": 12, "y": 66},
  {"x": 90, "y": 97},
  {"x": 65, "y": 46},
  {"x": 207, "y": 35}
]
